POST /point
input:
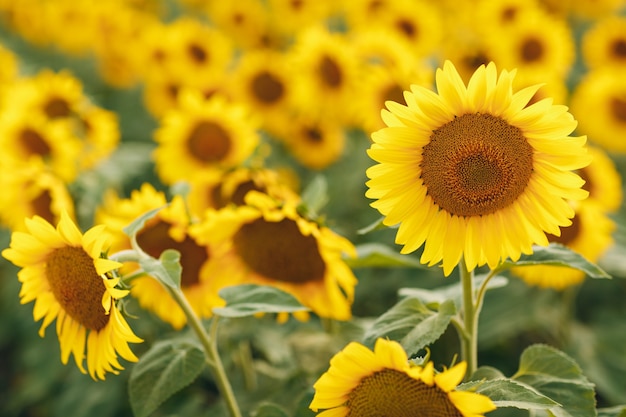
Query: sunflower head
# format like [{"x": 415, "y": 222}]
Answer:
[
  {"x": 475, "y": 171},
  {"x": 366, "y": 383}
]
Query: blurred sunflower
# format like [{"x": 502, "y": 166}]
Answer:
[
  {"x": 602, "y": 180},
  {"x": 9, "y": 67},
  {"x": 502, "y": 13},
  {"x": 473, "y": 171},
  {"x": 599, "y": 103},
  {"x": 552, "y": 86},
  {"x": 200, "y": 136},
  {"x": 288, "y": 16},
  {"x": 203, "y": 275},
  {"x": 590, "y": 235},
  {"x": 537, "y": 42},
  {"x": 380, "y": 47},
  {"x": 65, "y": 273},
  {"x": 593, "y": 9},
  {"x": 32, "y": 190},
  {"x": 246, "y": 22},
  {"x": 366, "y": 383},
  {"x": 100, "y": 133},
  {"x": 604, "y": 44},
  {"x": 80, "y": 16},
  {"x": 268, "y": 243}
]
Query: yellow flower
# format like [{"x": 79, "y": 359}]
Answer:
[
  {"x": 605, "y": 43},
  {"x": 363, "y": 383},
  {"x": 64, "y": 272},
  {"x": 268, "y": 243},
  {"x": 603, "y": 180},
  {"x": 473, "y": 171}
]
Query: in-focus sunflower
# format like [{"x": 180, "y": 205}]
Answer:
[
  {"x": 473, "y": 171},
  {"x": 268, "y": 243},
  {"x": 203, "y": 274},
  {"x": 599, "y": 103},
  {"x": 383, "y": 382},
  {"x": 200, "y": 136},
  {"x": 605, "y": 43},
  {"x": 590, "y": 235},
  {"x": 65, "y": 273}
]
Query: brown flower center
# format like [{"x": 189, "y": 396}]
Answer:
[
  {"x": 57, "y": 108},
  {"x": 407, "y": 28},
  {"x": 209, "y": 142},
  {"x": 618, "y": 108},
  {"x": 197, "y": 53},
  {"x": 392, "y": 393},
  {"x": 237, "y": 197},
  {"x": 33, "y": 143},
  {"x": 476, "y": 164},
  {"x": 76, "y": 286},
  {"x": 313, "y": 135},
  {"x": 42, "y": 206},
  {"x": 393, "y": 92},
  {"x": 154, "y": 239},
  {"x": 568, "y": 234},
  {"x": 267, "y": 88},
  {"x": 330, "y": 72},
  {"x": 532, "y": 50},
  {"x": 619, "y": 48},
  {"x": 278, "y": 250}
]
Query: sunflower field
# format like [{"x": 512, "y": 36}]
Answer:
[{"x": 291, "y": 208}]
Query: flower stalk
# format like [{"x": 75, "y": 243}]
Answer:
[{"x": 470, "y": 312}]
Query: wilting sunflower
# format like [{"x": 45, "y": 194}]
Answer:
[
  {"x": 268, "y": 243},
  {"x": 599, "y": 103},
  {"x": 203, "y": 135},
  {"x": 203, "y": 273},
  {"x": 590, "y": 235},
  {"x": 363, "y": 383},
  {"x": 66, "y": 275},
  {"x": 473, "y": 171},
  {"x": 605, "y": 43}
]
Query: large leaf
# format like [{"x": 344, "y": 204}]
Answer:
[
  {"x": 412, "y": 323},
  {"x": 251, "y": 299},
  {"x": 166, "y": 269},
  {"x": 375, "y": 255},
  {"x": 166, "y": 368},
  {"x": 558, "y": 255},
  {"x": 505, "y": 392},
  {"x": 557, "y": 376},
  {"x": 618, "y": 411}
]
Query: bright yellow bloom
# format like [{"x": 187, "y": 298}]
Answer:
[
  {"x": 65, "y": 273},
  {"x": 474, "y": 171},
  {"x": 365, "y": 383}
]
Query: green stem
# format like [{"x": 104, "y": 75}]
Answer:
[
  {"x": 469, "y": 339},
  {"x": 209, "y": 343}
]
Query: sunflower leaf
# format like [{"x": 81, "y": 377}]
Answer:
[
  {"x": 315, "y": 195},
  {"x": 166, "y": 269},
  {"x": 505, "y": 392},
  {"x": 557, "y": 376},
  {"x": 165, "y": 369},
  {"x": 558, "y": 255},
  {"x": 412, "y": 323},
  {"x": 617, "y": 411},
  {"x": 375, "y": 255},
  {"x": 377, "y": 225},
  {"x": 250, "y": 299}
]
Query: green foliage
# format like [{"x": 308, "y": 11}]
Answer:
[
  {"x": 376, "y": 255},
  {"x": 250, "y": 299},
  {"x": 166, "y": 269},
  {"x": 166, "y": 368}
]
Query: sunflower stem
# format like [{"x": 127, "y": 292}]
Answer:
[
  {"x": 209, "y": 343},
  {"x": 470, "y": 309}
]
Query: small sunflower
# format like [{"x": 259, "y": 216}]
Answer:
[
  {"x": 247, "y": 22},
  {"x": 268, "y": 243},
  {"x": 602, "y": 180},
  {"x": 590, "y": 235},
  {"x": 64, "y": 272},
  {"x": 383, "y": 382},
  {"x": 605, "y": 43},
  {"x": 599, "y": 103},
  {"x": 473, "y": 171},
  {"x": 203, "y": 274},
  {"x": 201, "y": 135}
]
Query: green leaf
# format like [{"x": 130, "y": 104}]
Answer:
[
  {"x": 165, "y": 369},
  {"x": 166, "y": 269},
  {"x": 135, "y": 227},
  {"x": 617, "y": 411},
  {"x": 557, "y": 376},
  {"x": 269, "y": 410},
  {"x": 377, "y": 225},
  {"x": 250, "y": 299},
  {"x": 315, "y": 195},
  {"x": 505, "y": 392},
  {"x": 558, "y": 255},
  {"x": 375, "y": 255},
  {"x": 412, "y": 323}
]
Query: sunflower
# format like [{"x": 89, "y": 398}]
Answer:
[
  {"x": 100, "y": 133},
  {"x": 247, "y": 22},
  {"x": 288, "y": 16},
  {"x": 599, "y": 103},
  {"x": 590, "y": 235},
  {"x": 203, "y": 135},
  {"x": 501, "y": 13},
  {"x": 366, "y": 383},
  {"x": 32, "y": 190},
  {"x": 77, "y": 15},
  {"x": 9, "y": 66},
  {"x": 64, "y": 272},
  {"x": 605, "y": 43},
  {"x": 267, "y": 242},
  {"x": 602, "y": 180},
  {"x": 203, "y": 274},
  {"x": 473, "y": 171}
]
